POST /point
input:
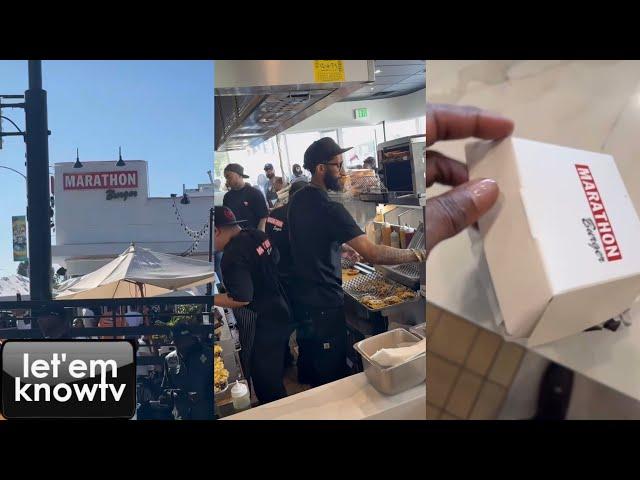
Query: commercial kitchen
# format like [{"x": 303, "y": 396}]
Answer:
[{"x": 269, "y": 112}]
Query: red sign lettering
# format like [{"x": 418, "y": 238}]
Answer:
[
  {"x": 594, "y": 199},
  {"x": 100, "y": 180}
]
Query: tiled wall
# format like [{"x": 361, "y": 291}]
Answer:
[{"x": 469, "y": 369}]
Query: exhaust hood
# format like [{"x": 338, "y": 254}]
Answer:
[{"x": 257, "y": 99}]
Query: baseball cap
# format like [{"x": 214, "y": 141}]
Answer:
[
  {"x": 224, "y": 217},
  {"x": 236, "y": 168},
  {"x": 321, "y": 151},
  {"x": 268, "y": 166}
]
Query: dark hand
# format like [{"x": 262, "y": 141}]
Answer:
[{"x": 450, "y": 213}]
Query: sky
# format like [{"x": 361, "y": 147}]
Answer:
[{"x": 159, "y": 111}]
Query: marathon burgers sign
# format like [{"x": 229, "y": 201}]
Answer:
[
  {"x": 562, "y": 244},
  {"x": 119, "y": 185}
]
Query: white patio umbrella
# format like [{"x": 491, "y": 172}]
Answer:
[
  {"x": 139, "y": 272},
  {"x": 12, "y": 285}
]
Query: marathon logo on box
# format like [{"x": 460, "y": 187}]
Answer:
[
  {"x": 68, "y": 379},
  {"x": 601, "y": 219}
]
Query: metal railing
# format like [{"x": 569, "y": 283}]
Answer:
[{"x": 204, "y": 328}]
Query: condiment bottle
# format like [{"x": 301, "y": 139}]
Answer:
[
  {"x": 403, "y": 237},
  {"x": 378, "y": 233},
  {"x": 370, "y": 230},
  {"x": 240, "y": 396},
  {"x": 395, "y": 238},
  {"x": 386, "y": 234},
  {"x": 409, "y": 235}
]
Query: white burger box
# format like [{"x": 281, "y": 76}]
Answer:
[{"x": 562, "y": 243}]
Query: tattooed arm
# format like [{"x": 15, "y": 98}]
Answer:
[{"x": 383, "y": 255}]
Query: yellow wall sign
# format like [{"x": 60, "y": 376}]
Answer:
[{"x": 325, "y": 71}]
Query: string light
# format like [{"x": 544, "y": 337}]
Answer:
[{"x": 196, "y": 235}]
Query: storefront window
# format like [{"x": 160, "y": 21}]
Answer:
[
  {"x": 252, "y": 159},
  {"x": 422, "y": 125},
  {"x": 406, "y": 128},
  {"x": 379, "y": 130},
  {"x": 297, "y": 144},
  {"x": 363, "y": 141}
]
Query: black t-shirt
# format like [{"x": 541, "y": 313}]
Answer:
[
  {"x": 278, "y": 231},
  {"x": 317, "y": 229},
  {"x": 248, "y": 204},
  {"x": 249, "y": 268}
]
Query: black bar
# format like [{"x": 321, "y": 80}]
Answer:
[
  {"x": 11, "y": 96},
  {"x": 39, "y": 230},
  {"x": 11, "y": 134}
]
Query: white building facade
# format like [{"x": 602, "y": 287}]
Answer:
[{"x": 100, "y": 209}]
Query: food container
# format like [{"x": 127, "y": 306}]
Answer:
[
  {"x": 353, "y": 289},
  {"x": 392, "y": 380},
  {"x": 419, "y": 330}
]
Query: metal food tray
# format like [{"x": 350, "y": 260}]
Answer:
[
  {"x": 419, "y": 330},
  {"x": 391, "y": 380},
  {"x": 345, "y": 263},
  {"x": 349, "y": 286},
  {"x": 364, "y": 184},
  {"x": 409, "y": 273}
]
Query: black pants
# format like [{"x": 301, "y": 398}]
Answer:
[
  {"x": 267, "y": 358},
  {"x": 322, "y": 343},
  {"x": 246, "y": 322}
]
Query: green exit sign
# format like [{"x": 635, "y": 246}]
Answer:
[{"x": 360, "y": 113}]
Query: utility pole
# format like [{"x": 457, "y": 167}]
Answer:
[
  {"x": 210, "y": 285},
  {"x": 38, "y": 201}
]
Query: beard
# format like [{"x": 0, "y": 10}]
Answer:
[
  {"x": 270, "y": 175},
  {"x": 332, "y": 183}
]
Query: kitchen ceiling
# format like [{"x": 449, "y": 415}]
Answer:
[{"x": 393, "y": 78}]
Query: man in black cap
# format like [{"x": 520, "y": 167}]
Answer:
[
  {"x": 271, "y": 187},
  {"x": 249, "y": 267},
  {"x": 318, "y": 230},
  {"x": 188, "y": 370},
  {"x": 54, "y": 321},
  {"x": 245, "y": 201}
]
